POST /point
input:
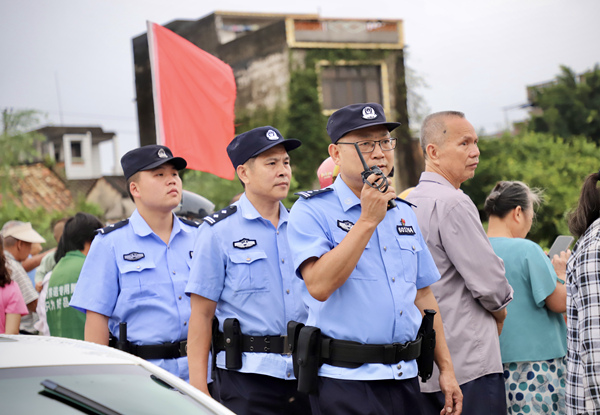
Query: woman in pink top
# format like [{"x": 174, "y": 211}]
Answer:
[{"x": 12, "y": 305}]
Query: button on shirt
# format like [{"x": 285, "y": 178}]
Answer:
[
  {"x": 252, "y": 280},
  {"x": 145, "y": 291},
  {"x": 472, "y": 283},
  {"x": 376, "y": 304}
]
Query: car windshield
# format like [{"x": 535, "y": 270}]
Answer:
[{"x": 125, "y": 389}]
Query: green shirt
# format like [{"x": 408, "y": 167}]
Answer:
[
  {"x": 64, "y": 321},
  {"x": 531, "y": 331}
]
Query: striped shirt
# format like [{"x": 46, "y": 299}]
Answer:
[{"x": 583, "y": 324}]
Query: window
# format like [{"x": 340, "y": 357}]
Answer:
[
  {"x": 345, "y": 85},
  {"x": 76, "y": 155}
]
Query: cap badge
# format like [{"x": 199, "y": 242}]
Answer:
[
  {"x": 272, "y": 135},
  {"x": 162, "y": 154},
  {"x": 369, "y": 113}
]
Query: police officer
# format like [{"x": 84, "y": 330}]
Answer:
[
  {"x": 132, "y": 285},
  {"x": 367, "y": 271},
  {"x": 242, "y": 273}
]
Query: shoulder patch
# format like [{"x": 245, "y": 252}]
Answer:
[
  {"x": 220, "y": 215},
  {"x": 405, "y": 201},
  {"x": 190, "y": 222},
  {"x": 307, "y": 194},
  {"x": 113, "y": 227}
]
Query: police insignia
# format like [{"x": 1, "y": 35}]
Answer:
[
  {"x": 369, "y": 113},
  {"x": 162, "y": 154},
  {"x": 220, "y": 215},
  {"x": 133, "y": 256},
  {"x": 272, "y": 135},
  {"x": 345, "y": 225},
  {"x": 113, "y": 227},
  {"x": 405, "y": 230},
  {"x": 244, "y": 243},
  {"x": 307, "y": 194}
]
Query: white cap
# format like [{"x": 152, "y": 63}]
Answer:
[{"x": 23, "y": 231}]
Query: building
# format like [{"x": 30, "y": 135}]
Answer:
[{"x": 276, "y": 58}]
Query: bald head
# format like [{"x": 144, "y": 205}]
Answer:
[{"x": 434, "y": 129}]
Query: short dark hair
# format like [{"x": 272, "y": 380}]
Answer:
[{"x": 79, "y": 229}]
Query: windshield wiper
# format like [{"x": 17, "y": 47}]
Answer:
[{"x": 55, "y": 391}]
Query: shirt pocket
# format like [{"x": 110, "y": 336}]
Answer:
[
  {"x": 248, "y": 271},
  {"x": 409, "y": 254},
  {"x": 137, "y": 278},
  {"x": 361, "y": 271}
]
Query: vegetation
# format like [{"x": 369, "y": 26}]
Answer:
[
  {"x": 557, "y": 165},
  {"x": 571, "y": 107}
]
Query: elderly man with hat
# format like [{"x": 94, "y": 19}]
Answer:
[
  {"x": 18, "y": 238},
  {"x": 242, "y": 274},
  {"x": 132, "y": 283},
  {"x": 367, "y": 272}
]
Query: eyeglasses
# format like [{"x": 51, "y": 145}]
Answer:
[{"x": 386, "y": 144}]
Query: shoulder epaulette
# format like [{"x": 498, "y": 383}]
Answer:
[
  {"x": 190, "y": 222},
  {"x": 307, "y": 194},
  {"x": 113, "y": 227},
  {"x": 405, "y": 201},
  {"x": 220, "y": 215}
]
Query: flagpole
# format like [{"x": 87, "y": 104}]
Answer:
[{"x": 158, "y": 124}]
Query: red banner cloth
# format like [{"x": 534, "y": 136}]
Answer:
[{"x": 194, "y": 99}]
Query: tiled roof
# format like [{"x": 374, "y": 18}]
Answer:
[{"x": 36, "y": 185}]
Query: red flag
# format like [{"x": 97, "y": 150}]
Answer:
[{"x": 194, "y": 98}]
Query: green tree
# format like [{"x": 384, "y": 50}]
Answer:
[
  {"x": 570, "y": 107},
  {"x": 17, "y": 140},
  {"x": 540, "y": 160}
]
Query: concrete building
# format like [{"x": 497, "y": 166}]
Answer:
[{"x": 274, "y": 56}]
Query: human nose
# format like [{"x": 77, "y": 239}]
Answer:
[{"x": 378, "y": 150}]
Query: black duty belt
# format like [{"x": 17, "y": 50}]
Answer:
[
  {"x": 256, "y": 344},
  {"x": 154, "y": 351},
  {"x": 345, "y": 353}
]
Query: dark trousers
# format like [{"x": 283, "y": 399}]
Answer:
[
  {"x": 249, "y": 394},
  {"x": 484, "y": 395},
  {"x": 369, "y": 397}
]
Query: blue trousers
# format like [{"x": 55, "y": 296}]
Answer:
[
  {"x": 252, "y": 394},
  {"x": 372, "y": 397},
  {"x": 484, "y": 395}
]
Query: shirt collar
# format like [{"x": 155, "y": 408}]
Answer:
[
  {"x": 141, "y": 228},
  {"x": 347, "y": 197},
  {"x": 249, "y": 211},
  {"x": 429, "y": 176}
]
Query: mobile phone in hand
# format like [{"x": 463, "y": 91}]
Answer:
[{"x": 561, "y": 243}]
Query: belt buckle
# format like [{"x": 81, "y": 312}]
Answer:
[
  {"x": 286, "y": 346},
  {"x": 400, "y": 347},
  {"x": 183, "y": 348}
]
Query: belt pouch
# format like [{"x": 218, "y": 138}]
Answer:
[
  {"x": 293, "y": 331},
  {"x": 309, "y": 359},
  {"x": 233, "y": 343},
  {"x": 427, "y": 333}
]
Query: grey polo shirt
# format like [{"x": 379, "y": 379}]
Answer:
[{"x": 472, "y": 283}]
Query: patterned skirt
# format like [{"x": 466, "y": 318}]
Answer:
[{"x": 535, "y": 387}]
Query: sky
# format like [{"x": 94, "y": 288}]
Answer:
[{"x": 73, "y": 59}]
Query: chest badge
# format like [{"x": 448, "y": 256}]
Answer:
[
  {"x": 345, "y": 225},
  {"x": 133, "y": 256},
  {"x": 405, "y": 230},
  {"x": 244, "y": 243}
]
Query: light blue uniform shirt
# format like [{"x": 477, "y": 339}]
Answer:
[
  {"x": 252, "y": 281},
  {"x": 148, "y": 292},
  {"x": 376, "y": 304}
]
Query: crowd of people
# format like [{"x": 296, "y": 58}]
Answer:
[{"x": 356, "y": 301}]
